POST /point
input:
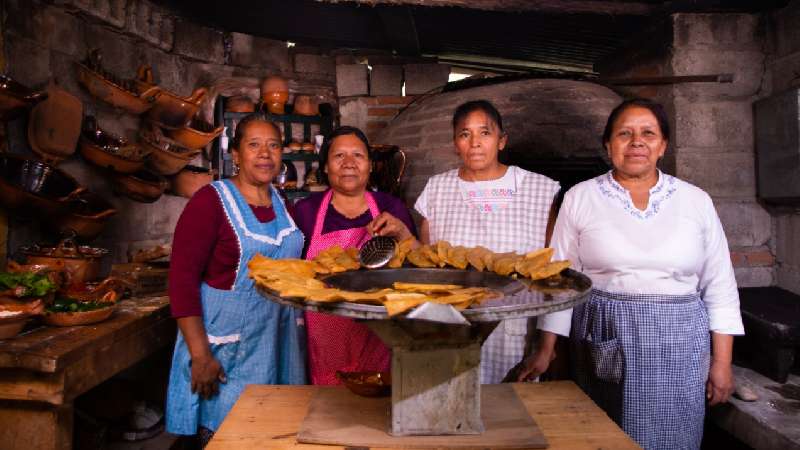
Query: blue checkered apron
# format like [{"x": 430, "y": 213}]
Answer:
[
  {"x": 256, "y": 341},
  {"x": 644, "y": 359}
]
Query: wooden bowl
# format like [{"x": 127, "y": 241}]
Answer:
[
  {"x": 367, "y": 384},
  {"x": 10, "y": 326},
  {"x": 16, "y": 98},
  {"x": 68, "y": 319},
  {"x": 166, "y": 157},
  {"x": 123, "y": 95},
  {"x": 196, "y": 135},
  {"x": 142, "y": 186},
  {"x": 108, "y": 151}
]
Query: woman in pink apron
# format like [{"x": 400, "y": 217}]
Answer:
[{"x": 347, "y": 214}]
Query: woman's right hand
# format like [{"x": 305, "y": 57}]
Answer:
[{"x": 206, "y": 373}]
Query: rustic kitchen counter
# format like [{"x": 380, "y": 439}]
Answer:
[
  {"x": 44, "y": 369},
  {"x": 270, "y": 417}
]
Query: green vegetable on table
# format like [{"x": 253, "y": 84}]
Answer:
[
  {"x": 26, "y": 284},
  {"x": 64, "y": 304}
]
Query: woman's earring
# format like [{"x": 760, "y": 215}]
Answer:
[{"x": 235, "y": 168}]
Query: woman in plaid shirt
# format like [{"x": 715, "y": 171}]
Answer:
[{"x": 503, "y": 208}]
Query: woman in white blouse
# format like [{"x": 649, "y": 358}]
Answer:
[
  {"x": 662, "y": 279},
  {"x": 503, "y": 208}
]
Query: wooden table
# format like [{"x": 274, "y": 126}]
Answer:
[
  {"x": 44, "y": 369},
  {"x": 270, "y": 416}
]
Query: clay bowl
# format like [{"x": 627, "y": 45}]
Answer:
[
  {"x": 69, "y": 319},
  {"x": 108, "y": 151},
  {"x": 367, "y": 384},
  {"x": 87, "y": 218},
  {"x": 240, "y": 104},
  {"x": 172, "y": 111},
  {"x": 54, "y": 125},
  {"x": 196, "y": 135},
  {"x": 79, "y": 263},
  {"x": 165, "y": 157},
  {"x": 123, "y": 94},
  {"x": 275, "y": 101},
  {"x": 28, "y": 186},
  {"x": 190, "y": 179},
  {"x": 10, "y": 326},
  {"x": 142, "y": 186},
  {"x": 16, "y": 98},
  {"x": 305, "y": 105}
]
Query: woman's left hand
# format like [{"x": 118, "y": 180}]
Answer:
[
  {"x": 388, "y": 225},
  {"x": 720, "y": 384}
]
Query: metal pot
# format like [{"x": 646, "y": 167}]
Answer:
[{"x": 80, "y": 263}]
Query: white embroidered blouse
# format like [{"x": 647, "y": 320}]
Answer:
[{"x": 676, "y": 246}]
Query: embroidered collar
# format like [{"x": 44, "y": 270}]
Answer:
[{"x": 659, "y": 193}]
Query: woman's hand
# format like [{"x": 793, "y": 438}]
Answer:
[
  {"x": 720, "y": 384},
  {"x": 388, "y": 225},
  {"x": 206, "y": 372},
  {"x": 537, "y": 363}
]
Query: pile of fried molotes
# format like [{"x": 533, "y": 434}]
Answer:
[{"x": 297, "y": 278}]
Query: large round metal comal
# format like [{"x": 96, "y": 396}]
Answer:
[{"x": 521, "y": 298}]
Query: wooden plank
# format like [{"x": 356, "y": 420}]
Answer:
[
  {"x": 270, "y": 417},
  {"x": 28, "y": 425},
  {"x": 20, "y": 384},
  {"x": 49, "y": 349},
  {"x": 337, "y": 416}
]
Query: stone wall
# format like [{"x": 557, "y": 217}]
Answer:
[
  {"x": 783, "y": 72},
  {"x": 43, "y": 40},
  {"x": 712, "y": 140}
]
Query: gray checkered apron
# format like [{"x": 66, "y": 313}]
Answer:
[
  {"x": 519, "y": 227},
  {"x": 644, "y": 359}
]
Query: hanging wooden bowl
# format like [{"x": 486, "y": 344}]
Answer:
[
  {"x": 54, "y": 125},
  {"x": 108, "y": 151},
  {"x": 123, "y": 94},
  {"x": 165, "y": 157},
  {"x": 196, "y": 135},
  {"x": 170, "y": 111},
  {"x": 142, "y": 186},
  {"x": 31, "y": 187},
  {"x": 16, "y": 98}
]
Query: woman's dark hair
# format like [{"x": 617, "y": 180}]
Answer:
[
  {"x": 486, "y": 106},
  {"x": 241, "y": 127},
  {"x": 653, "y": 107}
]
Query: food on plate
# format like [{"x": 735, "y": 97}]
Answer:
[
  {"x": 419, "y": 258},
  {"x": 457, "y": 257},
  {"x": 25, "y": 285},
  {"x": 476, "y": 257},
  {"x": 404, "y": 247},
  {"x": 549, "y": 270},
  {"x": 66, "y": 304}
]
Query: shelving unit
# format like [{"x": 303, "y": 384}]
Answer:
[{"x": 223, "y": 162}]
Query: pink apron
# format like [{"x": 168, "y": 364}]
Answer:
[{"x": 334, "y": 342}]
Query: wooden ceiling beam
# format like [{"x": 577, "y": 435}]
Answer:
[{"x": 608, "y": 7}]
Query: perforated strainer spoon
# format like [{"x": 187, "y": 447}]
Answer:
[{"x": 377, "y": 252}]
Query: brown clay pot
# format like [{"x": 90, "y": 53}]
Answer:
[
  {"x": 142, "y": 186},
  {"x": 190, "y": 180},
  {"x": 32, "y": 187},
  {"x": 16, "y": 98},
  {"x": 88, "y": 216},
  {"x": 275, "y": 93},
  {"x": 108, "y": 151},
  {"x": 54, "y": 125},
  {"x": 79, "y": 263},
  {"x": 165, "y": 157},
  {"x": 196, "y": 135},
  {"x": 305, "y": 105},
  {"x": 12, "y": 325},
  {"x": 70, "y": 319},
  {"x": 240, "y": 104},
  {"x": 124, "y": 94}
]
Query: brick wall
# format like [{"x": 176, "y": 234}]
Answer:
[{"x": 42, "y": 41}]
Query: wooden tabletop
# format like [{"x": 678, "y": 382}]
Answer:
[
  {"x": 49, "y": 349},
  {"x": 270, "y": 416}
]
